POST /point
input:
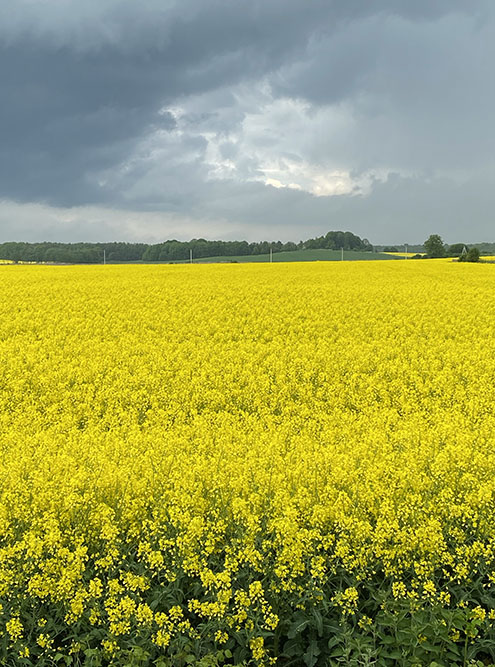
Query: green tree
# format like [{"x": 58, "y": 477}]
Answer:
[
  {"x": 456, "y": 249},
  {"x": 473, "y": 255},
  {"x": 434, "y": 246}
]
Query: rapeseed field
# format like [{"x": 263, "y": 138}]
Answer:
[{"x": 288, "y": 464}]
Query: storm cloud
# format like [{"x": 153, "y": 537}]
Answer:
[{"x": 262, "y": 119}]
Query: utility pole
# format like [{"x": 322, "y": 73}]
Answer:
[
  {"x": 104, "y": 256},
  {"x": 190, "y": 256},
  {"x": 342, "y": 254},
  {"x": 271, "y": 255},
  {"x": 406, "y": 250}
]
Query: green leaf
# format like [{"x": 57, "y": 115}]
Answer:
[
  {"x": 336, "y": 639},
  {"x": 388, "y": 640},
  {"x": 395, "y": 654},
  {"x": 89, "y": 652},
  {"x": 453, "y": 653},
  {"x": 311, "y": 656},
  {"x": 297, "y": 628},
  {"x": 337, "y": 653},
  {"x": 318, "y": 622},
  {"x": 292, "y": 647}
]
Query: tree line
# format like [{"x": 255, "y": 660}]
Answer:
[
  {"x": 168, "y": 251},
  {"x": 71, "y": 253},
  {"x": 435, "y": 247},
  {"x": 179, "y": 250}
]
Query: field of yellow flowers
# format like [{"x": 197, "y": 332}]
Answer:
[{"x": 288, "y": 464}]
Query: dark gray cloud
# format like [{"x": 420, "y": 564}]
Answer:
[
  {"x": 246, "y": 118},
  {"x": 79, "y": 91}
]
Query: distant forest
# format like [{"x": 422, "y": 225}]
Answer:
[
  {"x": 168, "y": 251},
  {"x": 173, "y": 251}
]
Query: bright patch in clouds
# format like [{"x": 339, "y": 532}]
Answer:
[
  {"x": 267, "y": 140},
  {"x": 308, "y": 177}
]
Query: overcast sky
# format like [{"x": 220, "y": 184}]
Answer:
[{"x": 247, "y": 119}]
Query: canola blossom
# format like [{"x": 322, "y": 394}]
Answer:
[{"x": 250, "y": 464}]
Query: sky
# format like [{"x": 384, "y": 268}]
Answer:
[{"x": 247, "y": 119}]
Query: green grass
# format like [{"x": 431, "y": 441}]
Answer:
[
  {"x": 292, "y": 256},
  {"x": 298, "y": 256}
]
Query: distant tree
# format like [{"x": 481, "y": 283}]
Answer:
[
  {"x": 456, "y": 249},
  {"x": 486, "y": 248},
  {"x": 336, "y": 240},
  {"x": 434, "y": 246},
  {"x": 472, "y": 255},
  {"x": 390, "y": 248}
]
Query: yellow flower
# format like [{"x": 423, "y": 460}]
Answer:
[
  {"x": 144, "y": 614},
  {"x": 161, "y": 638},
  {"x": 44, "y": 640},
  {"x": 110, "y": 647},
  {"x": 347, "y": 600},
  {"x": 257, "y": 647},
  {"x": 221, "y": 637},
  {"x": 478, "y": 613},
  {"x": 399, "y": 589},
  {"x": 14, "y": 628},
  {"x": 365, "y": 622}
]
